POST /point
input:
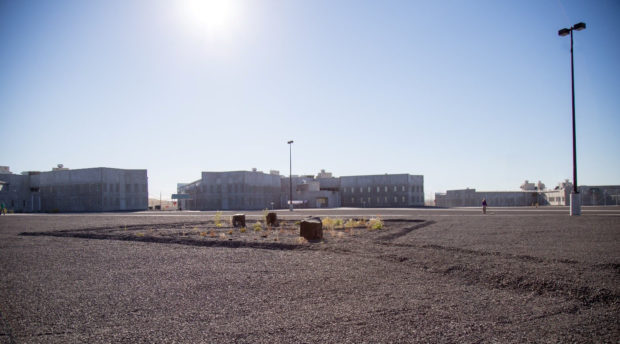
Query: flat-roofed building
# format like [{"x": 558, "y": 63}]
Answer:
[
  {"x": 382, "y": 191},
  {"x": 252, "y": 190},
  {"x": 76, "y": 190},
  {"x": 256, "y": 190}
]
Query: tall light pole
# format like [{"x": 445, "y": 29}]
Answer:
[
  {"x": 290, "y": 174},
  {"x": 575, "y": 204}
]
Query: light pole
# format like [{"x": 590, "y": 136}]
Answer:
[
  {"x": 575, "y": 204},
  {"x": 290, "y": 174}
]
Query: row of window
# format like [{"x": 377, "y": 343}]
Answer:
[
  {"x": 384, "y": 200},
  {"x": 385, "y": 188},
  {"x": 233, "y": 188},
  {"x": 89, "y": 188}
]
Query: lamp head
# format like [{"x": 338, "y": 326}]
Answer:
[
  {"x": 291, "y": 141},
  {"x": 579, "y": 26},
  {"x": 564, "y": 32}
]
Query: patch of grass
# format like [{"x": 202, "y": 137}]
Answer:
[
  {"x": 140, "y": 235},
  {"x": 258, "y": 226},
  {"x": 338, "y": 223},
  {"x": 218, "y": 219},
  {"x": 243, "y": 229},
  {"x": 328, "y": 223},
  {"x": 375, "y": 224},
  {"x": 230, "y": 232}
]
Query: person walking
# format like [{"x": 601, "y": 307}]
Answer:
[
  {"x": 2, "y": 209},
  {"x": 484, "y": 205}
]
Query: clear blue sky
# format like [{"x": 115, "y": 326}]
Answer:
[{"x": 466, "y": 93}]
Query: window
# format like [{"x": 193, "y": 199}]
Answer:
[
  {"x": 404, "y": 200},
  {"x": 403, "y": 188},
  {"x": 361, "y": 189},
  {"x": 369, "y": 190},
  {"x": 385, "y": 188},
  {"x": 395, "y": 199},
  {"x": 352, "y": 199},
  {"x": 378, "y": 189},
  {"x": 395, "y": 188}
]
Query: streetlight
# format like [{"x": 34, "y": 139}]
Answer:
[
  {"x": 575, "y": 204},
  {"x": 290, "y": 174}
]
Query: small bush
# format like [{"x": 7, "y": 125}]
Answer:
[
  {"x": 218, "y": 219},
  {"x": 375, "y": 224},
  {"x": 328, "y": 223},
  {"x": 243, "y": 229},
  {"x": 257, "y": 226}
]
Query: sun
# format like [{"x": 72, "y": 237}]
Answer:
[{"x": 210, "y": 17}]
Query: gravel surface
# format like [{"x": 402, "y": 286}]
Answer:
[{"x": 506, "y": 278}]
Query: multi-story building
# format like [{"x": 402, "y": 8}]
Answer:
[
  {"x": 381, "y": 191},
  {"x": 257, "y": 190},
  {"x": 530, "y": 194},
  {"x": 80, "y": 190},
  {"x": 232, "y": 190}
]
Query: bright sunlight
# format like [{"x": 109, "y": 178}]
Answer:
[{"x": 213, "y": 18}]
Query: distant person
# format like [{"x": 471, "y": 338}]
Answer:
[
  {"x": 2, "y": 209},
  {"x": 484, "y": 205}
]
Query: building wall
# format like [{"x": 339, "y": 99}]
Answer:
[
  {"x": 256, "y": 190},
  {"x": 250, "y": 190},
  {"x": 16, "y": 192},
  {"x": 560, "y": 196},
  {"x": 376, "y": 191},
  {"x": 82, "y": 190}
]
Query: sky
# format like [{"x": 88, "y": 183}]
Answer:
[{"x": 467, "y": 93}]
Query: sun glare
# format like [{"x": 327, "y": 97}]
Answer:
[{"x": 210, "y": 17}]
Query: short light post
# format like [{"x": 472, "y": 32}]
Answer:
[
  {"x": 575, "y": 204},
  {"x": 290, "y": 174}
]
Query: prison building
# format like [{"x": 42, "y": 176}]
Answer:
[
  {"x": 382, "y": 191},
  {"x": 234, "y": 190},
  {"x": 309, "y": 191},
  {"x": 79, "y": 190}
]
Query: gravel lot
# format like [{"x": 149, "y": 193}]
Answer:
[{"x": 447, "y": 277}]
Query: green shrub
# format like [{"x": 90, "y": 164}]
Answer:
[{"x": 375, "y": 223}]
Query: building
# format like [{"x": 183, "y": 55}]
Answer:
[
  {"x": 530, "y": 194},
  {"x": 309, "y": 191},
  {"x": 257, "y": 190},
  {"x": 232, "y": 190},
  {"x": 382, "y": 191},
  {"x": 80, "y": 190}
]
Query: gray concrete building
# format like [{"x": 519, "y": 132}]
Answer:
[
  {"x": 382, "y": 191},
  {"x": 232, "y": 190},
  {"x": 257, "y": 190},
  {"x": 80, "y": 190},
  {"x": 309, "y": 191},
  {"x": 529, "y": 195}
]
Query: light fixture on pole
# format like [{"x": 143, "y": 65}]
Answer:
[
  {"x": 575, "y": 204},
  {"x": 290, "y": 174}
]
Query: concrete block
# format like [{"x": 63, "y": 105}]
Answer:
[
  {"x": 238, "y": 220},
  {"x": 271, "y": 219},
  {"x": 311, "y": 228}
]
